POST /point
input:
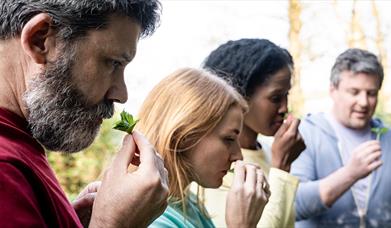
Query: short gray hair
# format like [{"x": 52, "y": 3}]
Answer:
[
  {"x": 357, "y": 61},
  {"x": 73, "y": 18}
]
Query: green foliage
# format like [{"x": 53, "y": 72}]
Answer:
[
  {"x": 381, "y": 113},
  {"x": 127, "y": 123},
  {"x": 76, "y": 170},
  {"x": 379, "y": 131}
]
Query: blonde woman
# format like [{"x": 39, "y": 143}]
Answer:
[{"x": 193, "y": 118}]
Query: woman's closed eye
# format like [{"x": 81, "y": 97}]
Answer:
[
  {"x": 229, "y": 140},
  {"x": 278, "y": 98}
]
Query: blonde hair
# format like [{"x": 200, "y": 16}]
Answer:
[{"x": 179, "y": 111}]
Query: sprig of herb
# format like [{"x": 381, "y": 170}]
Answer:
[
  {"x": 379, "y": 131},
  {"x": 127, "y": 123}
]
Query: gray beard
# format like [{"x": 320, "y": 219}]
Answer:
[{"x": 59, "y": 116}]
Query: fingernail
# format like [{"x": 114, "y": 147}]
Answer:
[
  {"x": 126, "y": 138},
  {"x": 289, "y": 118}
]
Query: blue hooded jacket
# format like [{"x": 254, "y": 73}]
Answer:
[{"x": 320, "y": 159}]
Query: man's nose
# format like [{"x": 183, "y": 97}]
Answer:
[
  {"x": 362, "y": 99},
  {"x": 118, "y": 91}
]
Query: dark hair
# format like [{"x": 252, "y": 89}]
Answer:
[
  {"x": 73, "y": 18},
  {"x": 247, "y": 63},
  {"x": 357, "y": 61}
]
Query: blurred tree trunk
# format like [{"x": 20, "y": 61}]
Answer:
[
  {"x": 296, "y": 97},
  {"x": 356, "y": 36},
  {"x": 384, "y": 95},
  {"x": 379, "y": 35}
]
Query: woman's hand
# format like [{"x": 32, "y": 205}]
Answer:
[
  {"x": 247, "y": 197},
  {"x": 288, "y": 144}
]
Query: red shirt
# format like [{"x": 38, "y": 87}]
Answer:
[{"x": 30, "y": 195}]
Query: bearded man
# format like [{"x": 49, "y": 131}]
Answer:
[{"x": 62, "y": 69}]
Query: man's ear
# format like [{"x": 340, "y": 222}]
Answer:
[
  {"x": 332, "y": 89},
  {"x": 37, "y": 38}
]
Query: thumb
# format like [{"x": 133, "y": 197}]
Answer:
[
  {"x": 91, "y": 187},
  {"x": 284, "y": 127},
  {"x": 125, "y": 155},
  {"x": 147, "y": 151},
  {"x": 86, "y": 201}
]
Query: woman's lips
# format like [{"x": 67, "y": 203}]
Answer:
[{"x": 278, "y": 123}]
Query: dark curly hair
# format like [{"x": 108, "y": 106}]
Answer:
[
  {"x": 247, "y": 63},
  {"x": 73, "y": 18}
]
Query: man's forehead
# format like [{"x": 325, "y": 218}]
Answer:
[
  {"x": 350, "y": 79},
  {"x": 119, "y": 36}
]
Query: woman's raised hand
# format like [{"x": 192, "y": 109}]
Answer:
[{"x": 247, "y": 197}]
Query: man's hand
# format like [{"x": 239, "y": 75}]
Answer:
[
  {"x": 247, "y": 197},
  {"x": 365, "y": 158},
  {"x": 132, "y": 199},
  {"x": 84, "y": 201},
  {"x": 287, "y": 145}
]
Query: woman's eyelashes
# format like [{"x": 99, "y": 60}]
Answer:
[
  {"x": 278, "y": 98},
  {"x": 229, "y": 140}
]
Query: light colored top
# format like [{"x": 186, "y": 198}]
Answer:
[
  {"x": 348, "y": 140},
  {"x": 173, "y": 216},
  {"x": 279, "y": 212}
]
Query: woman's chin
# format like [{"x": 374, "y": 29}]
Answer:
[
  {"x": 214, "y": 184},
  {"x": 272, "y": 130},
  {"x": 269, "y": 132}
]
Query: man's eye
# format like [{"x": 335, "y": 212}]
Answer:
[
  {"x": 373, "y": 93},
  {"x": 116, "y": 64},
  {"x": 353, "y": 92}
]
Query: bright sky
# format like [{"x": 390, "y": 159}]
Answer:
[{"x": 190, "y": 30}]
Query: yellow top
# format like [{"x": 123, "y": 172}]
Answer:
[{"x": 279, "y": 212}]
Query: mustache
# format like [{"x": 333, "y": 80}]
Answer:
[
  {"x": 70, "y": 99},
  {"x": 104, "y": 109}
]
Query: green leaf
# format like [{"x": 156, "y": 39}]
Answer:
[
  {"x": 379, "y": 131},
  {"x": 383, "y": 130},
  {"x": 127, "y": 123}
]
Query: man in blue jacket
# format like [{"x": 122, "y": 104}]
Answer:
[{"x": 344, "y": 172}]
